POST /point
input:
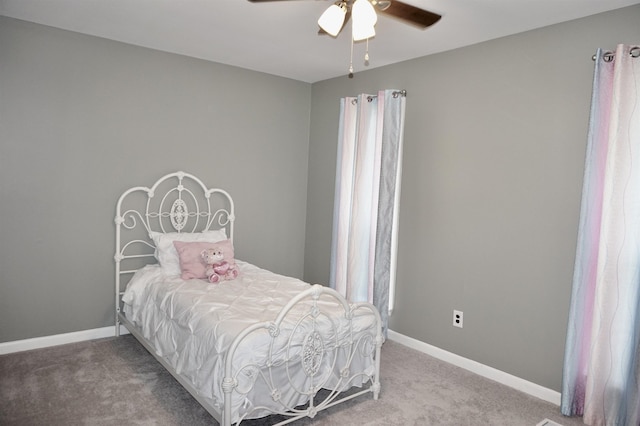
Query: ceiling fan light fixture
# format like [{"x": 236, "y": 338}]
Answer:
[
  {"x": 364, "y": 20},
  {"x": 332, "y": 20}
]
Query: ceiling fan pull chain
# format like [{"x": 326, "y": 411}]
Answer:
[
  {"x": 366, "y": 55},
  {"x": 351, "y": 60}
]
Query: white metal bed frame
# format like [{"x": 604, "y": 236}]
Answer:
[{"x": 181, "y": 202}]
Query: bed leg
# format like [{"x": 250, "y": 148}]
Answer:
[
  {"x": 375, "y": 387},
  {"x": 117, "y": 322},
  {"x": 228, "y": 384}
]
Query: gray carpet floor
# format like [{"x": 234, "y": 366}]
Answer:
[{"x": 115, "y": 381}]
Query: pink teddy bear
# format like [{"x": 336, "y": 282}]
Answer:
[{"x": 217, "y": 268}]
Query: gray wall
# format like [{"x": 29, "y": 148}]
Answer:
[
  {"x": 83, "y": 118},
  {"x": 495, "y": 141}
]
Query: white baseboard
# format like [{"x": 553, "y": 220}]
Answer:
[
  {"x": 58, "y": 339},
  {"x": 473, "y": 366},
  {"x": 480, "y": 369}
]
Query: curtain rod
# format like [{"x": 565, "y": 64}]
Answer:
[{"x": 608, "y": 56}]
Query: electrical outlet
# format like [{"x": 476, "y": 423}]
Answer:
[{"x": 457, "y": 318}]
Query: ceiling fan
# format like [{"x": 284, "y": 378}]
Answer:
[
  {"x": 364, "y": 14},
  {"x": 405, "y": 12}
]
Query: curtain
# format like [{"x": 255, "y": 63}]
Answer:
[
  {"x": 602, "y": 361},
  {"x": 367, "y": 191}
]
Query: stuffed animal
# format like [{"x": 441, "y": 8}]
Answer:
[{"x": 217, "y": 268}]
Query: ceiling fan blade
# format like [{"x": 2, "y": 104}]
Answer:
[{"x": 410, "y": 14}]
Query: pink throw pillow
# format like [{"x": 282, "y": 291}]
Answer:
[{"x": 192, "y": 264}]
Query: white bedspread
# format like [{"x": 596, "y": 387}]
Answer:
[{"x": 193, "y": 323}]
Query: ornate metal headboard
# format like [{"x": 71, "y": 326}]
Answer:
[{"x": 177, "y": 202}]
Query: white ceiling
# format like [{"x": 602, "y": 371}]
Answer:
[{"x": 281, "y": 37}]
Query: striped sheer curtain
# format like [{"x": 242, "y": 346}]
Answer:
[
  {"x": 602, "y": 360},
  {"x": 364, "y": 241}
]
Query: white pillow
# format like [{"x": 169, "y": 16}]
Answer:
[{"x": 166, "y": 252}]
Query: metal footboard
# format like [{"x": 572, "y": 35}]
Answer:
[{"x": 306, "y": 338}]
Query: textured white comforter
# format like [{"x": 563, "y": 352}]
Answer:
[{"x": 193, "y": 323}]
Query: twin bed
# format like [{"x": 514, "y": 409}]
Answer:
[{"x": 246, "y": 344}]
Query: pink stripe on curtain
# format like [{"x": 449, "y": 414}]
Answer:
[{"x": 344, "y": 179}]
